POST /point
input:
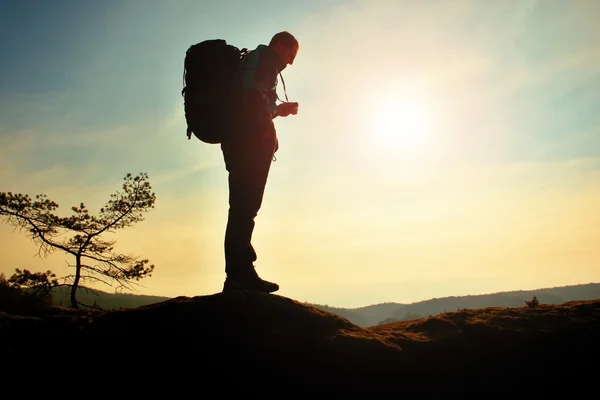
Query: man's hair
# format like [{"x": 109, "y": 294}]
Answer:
[{"x": 286, "y": 38}]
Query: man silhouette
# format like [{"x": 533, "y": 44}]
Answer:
[{"x": 248, "y": 152}]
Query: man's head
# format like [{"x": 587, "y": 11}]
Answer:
[{"x": 285, "y": 45}]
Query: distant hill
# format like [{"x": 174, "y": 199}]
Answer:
[
  {"x": 390, "y": 312},
  {"x": 107, "y": 301},
  {"x": 363, "y": 316}
]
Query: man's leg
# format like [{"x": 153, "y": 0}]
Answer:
[{"x": 248, "y": 165}]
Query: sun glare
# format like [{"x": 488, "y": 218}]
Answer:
[{"x": 401, "y": 123}]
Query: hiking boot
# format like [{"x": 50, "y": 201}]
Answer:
[{"x": 251, "y": 283}]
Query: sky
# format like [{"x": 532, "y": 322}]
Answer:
[{"x": 441, "y": 148}]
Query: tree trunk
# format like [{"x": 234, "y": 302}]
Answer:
[{"x": 76, "y": 281}]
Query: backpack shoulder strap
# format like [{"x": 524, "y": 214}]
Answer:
[{"x": 284, "y": 90}]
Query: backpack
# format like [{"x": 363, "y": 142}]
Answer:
[{"x": 207, "y": 75}]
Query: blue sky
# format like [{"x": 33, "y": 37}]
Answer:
[{"x": 441, "y": 148}]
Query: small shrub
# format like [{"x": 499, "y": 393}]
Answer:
[
  {"x": 17, "y": 300},
  {"x": 533, "y": 303}
]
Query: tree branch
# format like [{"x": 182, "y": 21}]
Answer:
[{"x": 37, "y": 231}]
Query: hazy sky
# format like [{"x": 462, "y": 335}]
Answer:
[{"x": 442, "y": 147}]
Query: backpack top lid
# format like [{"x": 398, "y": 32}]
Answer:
[{"x": 209, "y": 64}]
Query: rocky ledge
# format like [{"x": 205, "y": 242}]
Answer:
[{"x": 254, "y": 337}]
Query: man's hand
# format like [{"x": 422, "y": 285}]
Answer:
[{"x": 285, "y": 109}]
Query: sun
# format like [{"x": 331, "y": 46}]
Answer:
[{"x": 401, "y": 123}]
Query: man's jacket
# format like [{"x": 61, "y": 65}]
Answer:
[{"x": 255, "y": 93}]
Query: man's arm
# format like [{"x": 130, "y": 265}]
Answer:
[{"x": 258, "y": 77}]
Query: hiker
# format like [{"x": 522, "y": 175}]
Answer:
[{"x": 248, "y": 152}]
